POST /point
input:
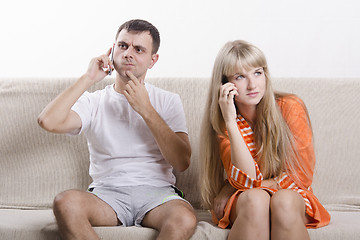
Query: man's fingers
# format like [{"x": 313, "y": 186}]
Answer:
[
  {"x": 105, "y": 63},
  {"x": 132, "y": 77},
  {"x": 108, "y": 52},
  {"x": 129, "y": 87}
]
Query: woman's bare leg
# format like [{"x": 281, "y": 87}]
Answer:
[{"x": 250, "y": 216}]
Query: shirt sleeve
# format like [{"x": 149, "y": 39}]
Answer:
[
  {"x": 83, "y": 108},
  {"x": 175, "y": 115}
]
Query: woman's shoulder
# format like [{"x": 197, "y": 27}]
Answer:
[
  {"x": 288, "y": 100},
  {"x": 290, "y": 104}
]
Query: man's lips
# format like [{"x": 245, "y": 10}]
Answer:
[{"x": 126, "y": 63}]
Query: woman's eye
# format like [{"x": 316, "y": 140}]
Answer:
[
  {"x": 240, "y": 77},
  {"x": 258, "y": 73}
]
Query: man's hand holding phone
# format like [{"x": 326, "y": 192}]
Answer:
[
  {"x": 112, "y": 61},
  {"x": 99, "y": 67}
]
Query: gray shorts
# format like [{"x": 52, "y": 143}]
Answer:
[{"x": 132, "y": 203}]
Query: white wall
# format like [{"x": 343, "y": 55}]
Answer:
[{"x": 301, "y": 38}]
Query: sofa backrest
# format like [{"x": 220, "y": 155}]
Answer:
[{"x": 36, "y": 165}]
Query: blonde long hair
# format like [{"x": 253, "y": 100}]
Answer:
[{"x": 275, "y": 144}]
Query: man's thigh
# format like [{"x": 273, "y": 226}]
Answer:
[
  {"x": 98, "y": 212},
  {"x": 164, "y": 212}
]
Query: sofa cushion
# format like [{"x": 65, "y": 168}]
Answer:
[{"x": 40, "y": 224}]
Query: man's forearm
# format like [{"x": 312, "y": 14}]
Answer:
[
  {"x": 175, "y": 147},
  {"x": 56, "y": 112}
]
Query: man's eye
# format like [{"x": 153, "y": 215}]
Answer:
[{"x": 139, "y": 50}]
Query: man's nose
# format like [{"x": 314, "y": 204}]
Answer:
[{"x": 128, "y": 53}]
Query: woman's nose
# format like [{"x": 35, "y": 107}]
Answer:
[{"x": 251, "y": 83}]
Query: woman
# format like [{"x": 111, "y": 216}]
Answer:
[{"x": 262, "y": 141}]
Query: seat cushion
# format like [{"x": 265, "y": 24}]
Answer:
[{"x": 41, "y": 225}]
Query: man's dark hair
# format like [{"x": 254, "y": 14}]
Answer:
[{"x": 138, "y": 26}]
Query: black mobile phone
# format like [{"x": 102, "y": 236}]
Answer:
[
  {"x": 111, "y": 59},
  {"x": 224, "y": 79}
]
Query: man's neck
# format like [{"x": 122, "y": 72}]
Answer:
[{"x": 120, "y": 84}]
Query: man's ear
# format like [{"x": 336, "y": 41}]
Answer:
[{"x": 154, "y": 59}]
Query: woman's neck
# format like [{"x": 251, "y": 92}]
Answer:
[{"x": 249, "y": 113}]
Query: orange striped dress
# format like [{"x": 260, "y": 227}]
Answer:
[{"x": 294, "y": 113}]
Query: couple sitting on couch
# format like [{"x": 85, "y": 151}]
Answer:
[{"x": 137, "y": 134}]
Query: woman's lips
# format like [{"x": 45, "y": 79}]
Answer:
[{"x": 252, "y": 94}]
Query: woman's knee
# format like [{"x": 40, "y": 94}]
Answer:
[
  {"x": 287, "y": 207},
  {"x": 252, "y": 203}
]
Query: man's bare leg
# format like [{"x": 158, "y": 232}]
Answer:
[
  {"x": 77, "y": 211},
  {"x": 174, "y": 220}
]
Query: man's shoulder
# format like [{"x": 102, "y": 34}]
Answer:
[
  {"x": 152, "y": 89},
  {"x": 98, "y": 92}
]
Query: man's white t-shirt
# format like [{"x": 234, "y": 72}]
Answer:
[{"x": 123, "y": 151}]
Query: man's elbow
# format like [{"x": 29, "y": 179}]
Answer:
[
  {"x": 41, "y": 121},
  {"x": 185, "y": 162},
  {"x": 45, "y": 123}
]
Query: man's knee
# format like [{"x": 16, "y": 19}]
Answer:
[
  {"x": 183, "y": 220},
  {"x": 67, "y": 203},
  {"x": 188, "y": 220}
]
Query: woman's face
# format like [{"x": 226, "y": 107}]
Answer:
[{"x": 251, "y": 86}]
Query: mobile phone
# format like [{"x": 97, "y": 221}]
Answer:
[
  {"x": 111, "y": 59},
  {"x": 224, "y": 79}
]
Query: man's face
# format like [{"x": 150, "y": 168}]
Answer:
[{"x": 133, "y": 52}]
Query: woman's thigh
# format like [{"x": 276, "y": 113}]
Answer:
[{"x": 288, "y": 203}]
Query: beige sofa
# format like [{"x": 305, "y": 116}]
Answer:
[{"x": 36, "y": 165}]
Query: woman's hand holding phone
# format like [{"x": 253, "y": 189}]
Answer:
[{"x": 227, "y": 93}]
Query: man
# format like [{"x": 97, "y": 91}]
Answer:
[{"x": 136, "y": 135}]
